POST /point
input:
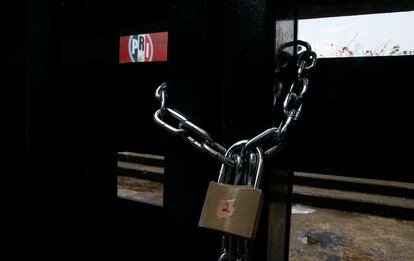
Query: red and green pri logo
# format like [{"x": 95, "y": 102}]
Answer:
[
  {"x": 140, "y": 48},
  {"x": 143, "y": 48}
]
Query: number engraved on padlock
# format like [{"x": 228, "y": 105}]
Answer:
[{"x": 225, "y": 208}]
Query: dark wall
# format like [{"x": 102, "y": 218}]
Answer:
[
  {"x": 135, "y": 129},
  {"x": 99, "y": 107},
  {"x": 12, "y": 113},
  {"x": 357, "y": 120},
  {"x": 329, "y": 8},
  {"x": 111, "y": 103},
  {"x": 70, "y": 113},
  {"x": 76, "y": 98}
]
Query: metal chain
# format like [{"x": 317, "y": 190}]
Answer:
[
  {"x": 292, "y": 109},
  {"x": 292, "y": 104},
  {"x": 241, "y": 166}
]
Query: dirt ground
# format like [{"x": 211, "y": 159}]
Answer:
[
  {"x": 323, "y": 234},
  {"x": 141, "y": 190},
  {"x": 337, "y": 235}
]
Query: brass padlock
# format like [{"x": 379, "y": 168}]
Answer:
[{"x": 234, "y": 209}]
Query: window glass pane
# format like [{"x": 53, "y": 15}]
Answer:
[
  {"x": 360, "y": 35},
  {"x": 141, "y": 177}
]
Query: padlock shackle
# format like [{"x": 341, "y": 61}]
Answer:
[
  {"x": 237, "y": 145},
  {"x": 259, "y": 167}
]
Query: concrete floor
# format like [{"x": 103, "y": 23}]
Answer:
[
  {"x": 322, "y": 235},
  {"x": 337, "y": 235},
  {"x": 141, "y": 190}
]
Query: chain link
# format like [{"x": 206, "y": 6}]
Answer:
[
  {"x": 273, "y": 137},
  {"x": 195, "y": 135}
]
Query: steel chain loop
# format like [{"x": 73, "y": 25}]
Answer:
[{"x": 292, "y": 109}]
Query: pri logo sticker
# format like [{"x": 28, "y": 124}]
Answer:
[
  {"x": 225, "y": 208},
  {"x": 140, "y": 48}
]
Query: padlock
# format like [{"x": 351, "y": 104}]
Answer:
[{"x": 234, "y": 209}]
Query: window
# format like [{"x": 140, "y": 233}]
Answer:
[
  {"x": 385, "y": 34},
  {"x": 141, "y": 177}
]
